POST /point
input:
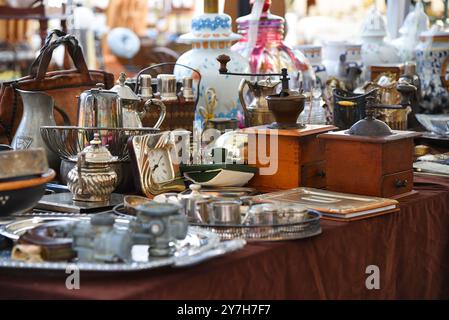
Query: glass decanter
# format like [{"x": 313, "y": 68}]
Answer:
[{"x": 268, "y": 53}]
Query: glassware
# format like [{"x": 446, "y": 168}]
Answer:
[{"x": 268, "y": 53}]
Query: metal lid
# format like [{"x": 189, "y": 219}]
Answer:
[
  {"x": 96, "y": 152},
  {"x": 123, "y": 91},
  {"x": 370, "y": 127},
  {"x": 195, "y": 193},
  {"x": 99, "y": 89}
]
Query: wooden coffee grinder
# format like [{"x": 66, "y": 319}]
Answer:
[
  {"x": 287, "y": 154},
  {"x": 370, "y": 158}
]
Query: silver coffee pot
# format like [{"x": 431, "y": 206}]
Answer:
[{"x": 115, "y": 108}]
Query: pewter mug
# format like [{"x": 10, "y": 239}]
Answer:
[{"x": 37, "y": 111}]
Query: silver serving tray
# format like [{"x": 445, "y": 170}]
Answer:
[
  {"x": 198, "y": 246},
  {"x": 293, "y": 230}
]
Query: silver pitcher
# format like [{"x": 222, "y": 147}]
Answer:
[
  {"x": 257, "y": 113},
  {"x": 37, "y": 111},
  {"x": 114, "y": 108}
]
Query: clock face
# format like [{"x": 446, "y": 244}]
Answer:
[{"x": 160, "y": 165}]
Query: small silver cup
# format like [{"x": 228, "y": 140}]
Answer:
[
  {"x": 225, "y": 212},
  {"x": 166, "y": 85}
]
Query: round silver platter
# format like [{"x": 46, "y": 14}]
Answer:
[
  {"x": 306, "y": 228},
  {"x": 199, "y": 245}
]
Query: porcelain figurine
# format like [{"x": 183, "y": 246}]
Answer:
[{"x": 211, "y": 35}]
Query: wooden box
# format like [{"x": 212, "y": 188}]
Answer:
[
  {"x": 300, "y": 157},
  {"x": 372, "y": 166}
]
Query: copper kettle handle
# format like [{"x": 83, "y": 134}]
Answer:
[
  {"x": 162, "y": 108},
  {"x": 242, "y": 85}
]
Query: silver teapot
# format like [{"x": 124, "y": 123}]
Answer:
[
  {"x": 93, "y": 179},
  {"x": 115, "y": 108}
]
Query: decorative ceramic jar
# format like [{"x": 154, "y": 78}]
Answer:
[
  {"x": 432, "y": 57},
  {"x": 211, "y": 36},
  {"x": 375, "y": 50},
  {"x": 268, "y": 53}
]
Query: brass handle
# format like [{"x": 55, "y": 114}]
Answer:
[{"x": 401, "y": 183}]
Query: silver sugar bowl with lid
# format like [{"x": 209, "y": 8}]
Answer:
[{"x": 93, "y": 179}]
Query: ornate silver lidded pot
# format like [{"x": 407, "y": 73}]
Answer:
[{"x": 93, "y": 179}]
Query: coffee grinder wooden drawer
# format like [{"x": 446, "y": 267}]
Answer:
[
  {"x": 313, "y": 175},
  {"x": 396, "y": 183}
]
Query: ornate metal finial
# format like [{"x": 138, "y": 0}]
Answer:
[
  {"x": 370, "y": 106},
  {"x": 96, "y": 140},
  {"x": 122, "y": 79}
]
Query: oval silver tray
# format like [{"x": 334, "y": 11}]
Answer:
[
  {"x": 277, "y": 232},
  {"x": 199, "y": 245}
]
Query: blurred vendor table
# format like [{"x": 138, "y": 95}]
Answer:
[{"x": 411, "y": 249}]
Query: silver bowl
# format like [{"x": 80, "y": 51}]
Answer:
[
  {"x": 68, "y": 141},
  {"x": 435, "y": 123}
]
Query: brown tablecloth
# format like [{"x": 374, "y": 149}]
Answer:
[{"x": 410, "y": 247}]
